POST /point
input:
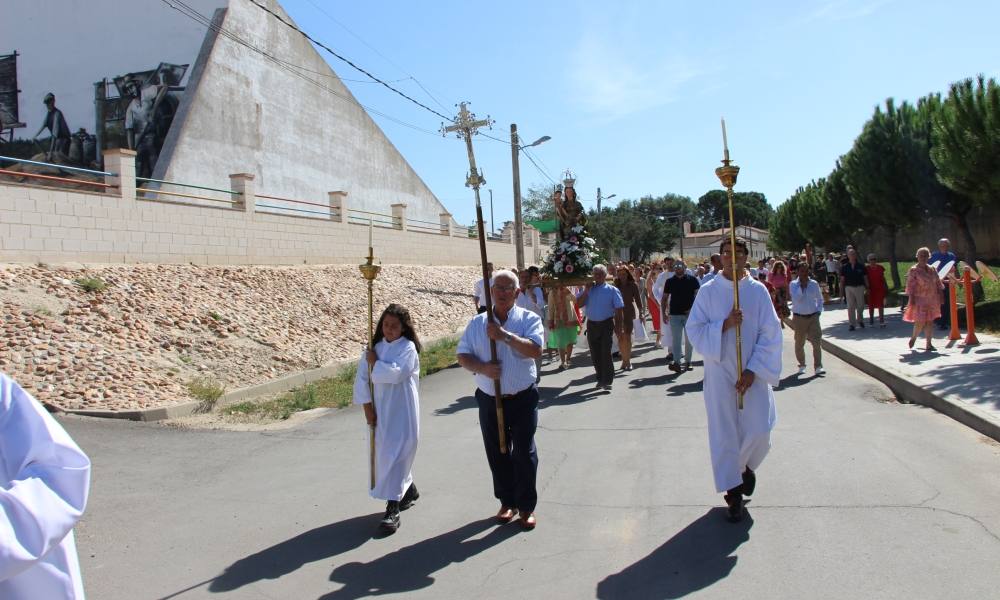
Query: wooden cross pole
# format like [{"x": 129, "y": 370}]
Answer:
[{"x": 465, "y": 126}]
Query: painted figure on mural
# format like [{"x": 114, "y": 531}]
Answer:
[{"x": 55, "y": 122}]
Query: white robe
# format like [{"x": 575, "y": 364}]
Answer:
[
  {"x": 737, "y": 438},
  {"x": 396, "y": 376},
  {"x": 44, "y": 483}
]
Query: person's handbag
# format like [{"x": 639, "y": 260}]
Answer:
[{"x": 639, "y": 331}]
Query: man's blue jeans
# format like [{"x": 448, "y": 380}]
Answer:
[{"x": 677, "y": 323}]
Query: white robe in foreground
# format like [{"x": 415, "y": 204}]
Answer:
[
  {"x": 737, "y": 438},
  {"x": 396, "y": 376},
  {"x": 44, "y": 483}
]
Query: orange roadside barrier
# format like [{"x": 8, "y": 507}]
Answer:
[
  {"x": 970, "y": 320},
  {"x": 953, "y": 307}
]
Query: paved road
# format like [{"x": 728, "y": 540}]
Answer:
[{"x": 860, "y": 498}]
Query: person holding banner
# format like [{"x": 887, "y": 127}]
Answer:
[
  {"x": 518, "y": 334},
  {"x": 394, "y": 362},
  {"x": 739, "y": 439}
]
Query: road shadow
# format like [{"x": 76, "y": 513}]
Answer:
[
  {"x": 281, "y": 559},
  {"x": 974, "y": 382},
  {"x": 694, "y": 559},
  {"x": 464, "y": 403},
  {"x": 795, "y": 380},
  {"x": 686, "y": 388},
  {"x": 411, "y": 568},
  {"x": 917, "y": 356},
  {"x": 665, "y": 378}
]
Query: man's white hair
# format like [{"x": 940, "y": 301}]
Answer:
[
  {"x": 944, "y": 241},
  {"x": 504, "y": 274},
  {"x": 600, "y": 268}
]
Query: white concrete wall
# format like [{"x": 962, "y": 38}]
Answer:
[
  {"x": 41, "y": 224},
  {"x": 302, "y": 135}
]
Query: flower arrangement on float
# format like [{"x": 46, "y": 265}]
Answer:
[{"x": 573, "y": 257}]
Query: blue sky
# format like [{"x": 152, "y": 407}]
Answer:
[{"x": 632, "y": 93}]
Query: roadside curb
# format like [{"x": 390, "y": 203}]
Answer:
[
  {"x": 274, "y": 386},
  {"x": 909, "y": 392}
]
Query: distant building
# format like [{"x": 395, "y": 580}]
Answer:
[{"x": 705, "y": 243}]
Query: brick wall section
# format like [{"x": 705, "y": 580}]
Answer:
[{"x": 40, "y": 224}]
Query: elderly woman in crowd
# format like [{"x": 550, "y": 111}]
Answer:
[
  {"x": 923, "y": 287},
  {"x": 779, "y": 280}
]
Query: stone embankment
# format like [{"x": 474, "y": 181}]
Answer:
[{"x": 135, "y": 344}]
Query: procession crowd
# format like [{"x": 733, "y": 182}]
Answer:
[{"x": 688, "y": 308}]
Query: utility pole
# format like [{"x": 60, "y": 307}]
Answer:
[
  {"x": 515, "y": 152},
  {"x": 466, "y": 126},
  {"x": 598, "y": 200},
  {"x": 493, "y": 224},
  {"x": 682, "y": 237}
]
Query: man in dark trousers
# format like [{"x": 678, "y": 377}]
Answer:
[
  {"x": 678, "y": 296},
  {"x": 605, "y": 314},
  {"x": 518, "y": 336}
]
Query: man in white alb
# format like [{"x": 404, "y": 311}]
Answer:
[
  {"x": 44, "y": 484},
  {"x": 739, "y": 439}
]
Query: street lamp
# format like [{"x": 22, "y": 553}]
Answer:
[
  {"x": 599, "y": 198},
  {"x": 515, "y": 150}
]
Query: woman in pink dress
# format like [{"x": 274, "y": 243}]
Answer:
[
  {"x": 778, "y": 278},
  {"x": 924, "y": 287}
]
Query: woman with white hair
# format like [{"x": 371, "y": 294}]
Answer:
[{"x": 923, "y": 287}]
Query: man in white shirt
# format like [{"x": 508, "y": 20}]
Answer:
[
  {"x": 716, "y": 262},
  {"x": 531, "y": 297},
  {"x": 832, "y": 275},
  {"x": 479, "y": 290},
  {"x": 518, "y": 336},
  {"x": 807, "y": 305}
]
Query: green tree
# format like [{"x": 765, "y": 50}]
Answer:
[
  {"x": 630, "y": 225},
  {"x": 965, "y": 148},
  {"x": 536, "y": 203},
  {"x": 783, "y": 229},
  {"x": 839, "y": 209},
  {"x": 749, "y": 208},
  {"x": 879, "y": 175}
]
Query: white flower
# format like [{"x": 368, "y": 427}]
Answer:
[
  {"x": 557, "y": 267},
  {"x": 589, "y": 240}
]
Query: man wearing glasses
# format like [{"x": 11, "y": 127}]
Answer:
[{"x": 518, "y": 336}]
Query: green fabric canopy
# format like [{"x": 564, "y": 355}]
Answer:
[{"x": 549, "y": 226}]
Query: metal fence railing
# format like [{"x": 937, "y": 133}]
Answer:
[
  {"x": 364, "y": 217},
  {"x": 41, "y": 177},
  {"x": 328, "y": 213},
  {"x": 144, "y": 193}
]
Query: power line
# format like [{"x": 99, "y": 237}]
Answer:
[
  {"x": 376, "y": 51},
  {"x": 341, "y": 58}
]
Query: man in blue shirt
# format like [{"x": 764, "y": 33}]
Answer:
[
  {"x": 518, "y": 336},
  {"x": 605, "y": 314},
  {"x": 943, "y": 256}
]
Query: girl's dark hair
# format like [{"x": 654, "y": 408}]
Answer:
[{"x": 409, "y": 331}]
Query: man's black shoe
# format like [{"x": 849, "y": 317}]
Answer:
[
  {"x": 409, "y": 498},
  {"x": 390, "y": 522},
  {"x": 734, "y": 505},
  {"x": 749, "y": 482}
]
